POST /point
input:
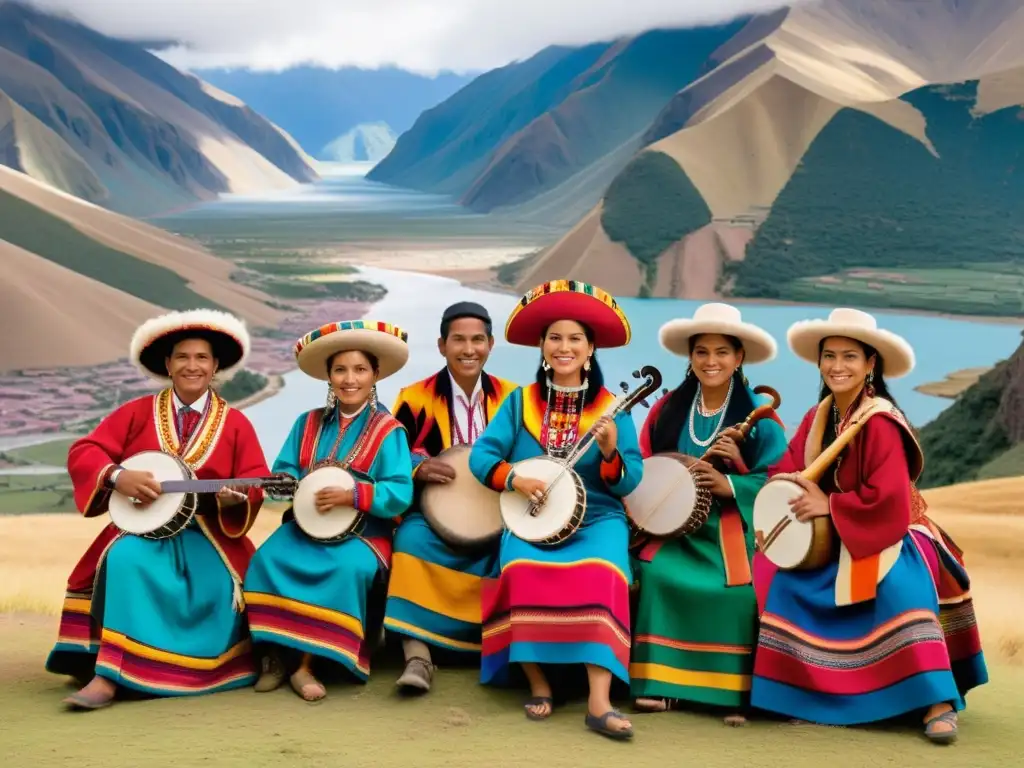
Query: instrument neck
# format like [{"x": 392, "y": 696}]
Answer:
[{"x": 830, "y": 454}]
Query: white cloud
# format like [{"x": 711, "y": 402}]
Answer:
[{"x": 419, "y": 35}]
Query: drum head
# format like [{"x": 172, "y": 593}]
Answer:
[
  {"x": 558, "y": 509},
  {"x": 666, "y": 495},
  {"x": 463, "y": 510},
  {"x": 792, "y": 542},
  {"x": 163, "y": 466},
  {"x": 333, "y": 522}
]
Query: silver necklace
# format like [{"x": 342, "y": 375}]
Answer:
[{"x": 699, "y": 398}]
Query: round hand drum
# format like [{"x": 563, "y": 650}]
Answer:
[
  {"x": 787, "y": 542},
  {"x": 336, "y": 523},
  {"x": 464, "y": 512}
]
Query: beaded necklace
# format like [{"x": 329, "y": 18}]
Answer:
[
  {"x": 699, "y": 399},
  {"x": 560, "y": 429}
]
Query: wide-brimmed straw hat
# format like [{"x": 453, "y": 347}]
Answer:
[
  {"x": 724, "y": 319},
  {"x": 806, "y": 335},
  {"x": 388, "y": 343},
  {"x": 567, "y": 300},
  {"x": 154, "y": 340}
]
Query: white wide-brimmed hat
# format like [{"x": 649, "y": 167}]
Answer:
[
  {"x": 724, "y": 319},
  {"x": 805, "y": 336},
  {"x": 154, "y": 340},
  {"x": 387, "y": 342}
]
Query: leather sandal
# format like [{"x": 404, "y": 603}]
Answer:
[
  {"x": 272, "y": 674},
  {"x": 84, "y": 702},
  {"x": 942, "y": 737},
  {"x": 418, "y": 674},
  {"x": 600, "y": 725}
]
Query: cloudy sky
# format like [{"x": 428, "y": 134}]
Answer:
[{"x": 419, "y": 35}]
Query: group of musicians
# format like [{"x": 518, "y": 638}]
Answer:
[{"x": 884, "y": 629}]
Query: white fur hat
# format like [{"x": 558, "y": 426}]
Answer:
[
  {"x": 724, "y": 319},
  {"x": 154, "y": 339},
  {"x": 805, "y": 336}
]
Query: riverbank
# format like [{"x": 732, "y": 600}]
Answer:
[
  {"x": 52, "y": 401},
  {"x": 954, "y": 384},
  {"x": 477, "y": 271}
]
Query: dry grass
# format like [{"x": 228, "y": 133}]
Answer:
[
  {"x": 461, "y": 722},
  {"x": 986, "y": 518}
]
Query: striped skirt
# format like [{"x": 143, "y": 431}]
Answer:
[
  {"x": 313, "y": 597},
  {"x": 694, "y": 636},
  {"x": 434, "y": 589},
  {"x": 163, "y": 620},
  {"x": 862, "y": 663},
  {"x": 563, "y": 604}
]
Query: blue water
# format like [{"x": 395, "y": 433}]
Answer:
[{"x": 415, "y": 302}]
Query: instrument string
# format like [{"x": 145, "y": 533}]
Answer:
[{"x": 580, "y": 449}]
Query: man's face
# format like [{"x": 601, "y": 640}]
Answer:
[
  {"x": 467, "y": 347},
  {"x": 191, "y": 366}
]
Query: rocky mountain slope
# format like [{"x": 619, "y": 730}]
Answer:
[
  {"x": 524, "y": 129},
  {"x": 84, "y": 278},
  {"x": 316, "y": 105},
  {"x": 366, "y": 142},
  {"x": 850, "y": 150},
  {"x": 105, "y": 120}
]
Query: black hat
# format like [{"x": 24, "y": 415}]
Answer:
[{"x": 464, "y": 309}]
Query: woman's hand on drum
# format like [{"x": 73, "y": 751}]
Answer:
[
  {"x": 607, "y": 435},
  {"x": 727, "y": 446},
  {"x": 530, "y": 488},
  {"x": 139, "y": 485},
  {"x": 328, "y": 498},
  {"x": 706, "y": 476},
  {"x": 813, "y": 503}
]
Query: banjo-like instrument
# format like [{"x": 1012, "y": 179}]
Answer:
[
  {"x": 169, "y": 513},
  {"x": 668, "y": 502},
  {"x": 560, "y": 512},
  {"x": 787, "y": 542},
  {"x": 464, "y": 512}
]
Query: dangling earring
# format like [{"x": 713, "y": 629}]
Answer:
[
  {"x": 373, "y": 398},
  {"x": 332, "y": 401},
  {"x": 870, "y": 388},
  {"x": 545, "y": 366},
  {"x": 586, "y": 365}
]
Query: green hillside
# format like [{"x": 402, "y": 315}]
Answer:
[
  {"x": 872, "y": 218},
  {"x": 33, "y": 229},
  {"x": 968, "y": 435},
  {"x": 651, "y": 205}
]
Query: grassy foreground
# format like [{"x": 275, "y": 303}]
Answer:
[{"x": 460, "y": 722}]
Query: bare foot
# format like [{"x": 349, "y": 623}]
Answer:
[
  {"x": 307, "y": 686},
  {"x": 97, "y": 694},
  {"x": 652, "y": 705},
  {"x": 735, "y": 720}
]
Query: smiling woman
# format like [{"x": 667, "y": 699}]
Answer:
[
  {"x": 563, "y": 603},
  {"x": 310, "y": 600}
]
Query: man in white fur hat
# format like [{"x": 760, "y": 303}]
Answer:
[{"x": 164, "y": 617}]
